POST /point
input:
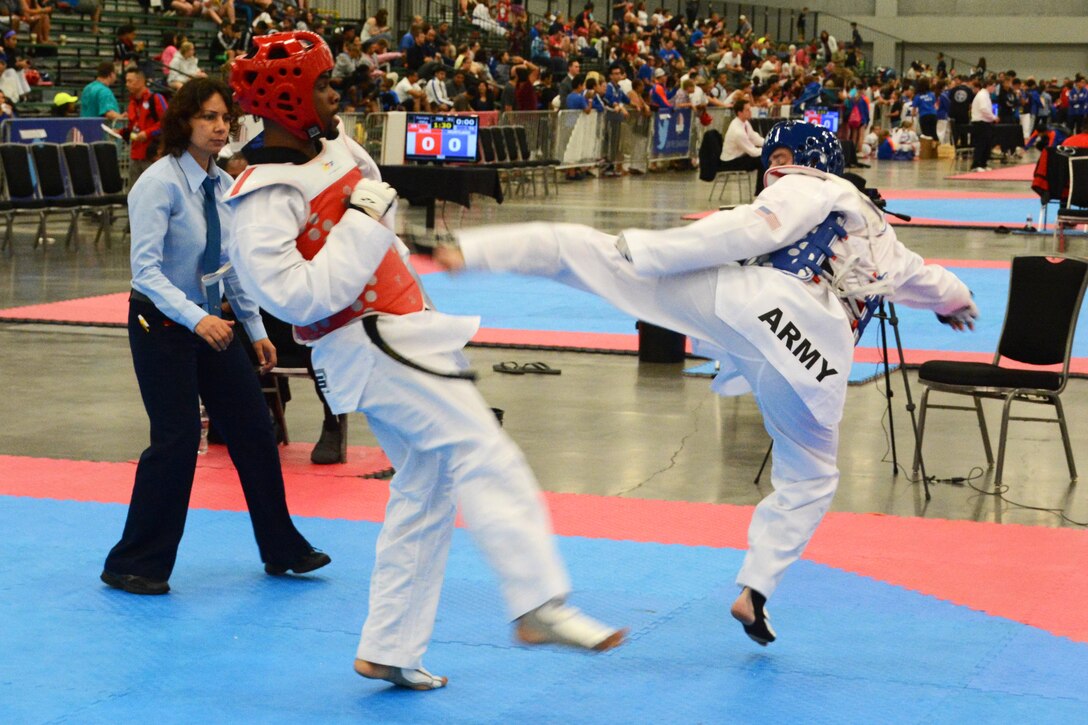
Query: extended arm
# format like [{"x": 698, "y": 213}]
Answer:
[{"x": 779, "y": 216}]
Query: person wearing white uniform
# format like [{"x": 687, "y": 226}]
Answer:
[
  {"x": 783, "y": 332},
  {"x": 313, "y": 239},
  {"x": 436, "y": 91}
]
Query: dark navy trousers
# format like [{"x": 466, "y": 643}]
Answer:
[{"x": 173, "y": 366}]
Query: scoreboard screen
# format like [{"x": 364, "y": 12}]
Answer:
[
  {"x": 438, "y": 137},
  {"x": 823, "y": 117}
]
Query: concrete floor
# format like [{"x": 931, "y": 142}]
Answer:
[{"x": 608, "y": 425}]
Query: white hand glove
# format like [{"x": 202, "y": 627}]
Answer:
[
  {"x": 373, "y": 198},
  {"x": 962, "y": 318}
]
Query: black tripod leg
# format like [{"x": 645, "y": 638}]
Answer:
[
  {"x": 763, "y": 465},
  {"x": 888, "y": 384},
  {"x": 894, "y": 320}
]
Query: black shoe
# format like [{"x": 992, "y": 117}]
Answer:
[
  {"x": 134, "y": 584},
  {"x": 760, "y": 630},
  {"x": 328, "y": 448},
  {"x": 311, "y": 560}
]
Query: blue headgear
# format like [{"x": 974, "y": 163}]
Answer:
[{"x": 811, "y": 145}]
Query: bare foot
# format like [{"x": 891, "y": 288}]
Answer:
[
  {"x": 419, "y": 679},
  {"x": 743, "y": 610},
  {"x": 449, "y": 258}
]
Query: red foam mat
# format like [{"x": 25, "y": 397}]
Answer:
[
  {"x": 1029, "y": 574},
  {"x": 1021, "y": 172},
  {"x": 295, "y": 458}
]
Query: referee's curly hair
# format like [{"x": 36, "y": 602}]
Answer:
[{"x": 187, "y": 101}]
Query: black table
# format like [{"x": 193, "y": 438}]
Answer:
[{"x": 425, "y": 184}]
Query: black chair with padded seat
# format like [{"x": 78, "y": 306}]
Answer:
[
  {"x": 53, "y": 187},
  {"x": 1045, "y": 295},
  {"x": 1073, "y": 211},
  {"x": 110, "y": 181},
  {"x": 24, "y": 192},
  {"x": 546, "y": 166},
  {"x": 79, "y": 160}
]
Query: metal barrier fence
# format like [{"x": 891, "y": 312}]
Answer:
[{"x": 575, "y": 139}]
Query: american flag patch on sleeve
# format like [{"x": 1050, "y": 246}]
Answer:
[{"x": 768, "y": 216}]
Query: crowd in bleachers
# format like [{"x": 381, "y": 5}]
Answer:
[{"x": 624, "y": 60}]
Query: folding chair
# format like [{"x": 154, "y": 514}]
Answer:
[
  {"x": 743, "y": 181},
  {"x": 53, "y": 187},
  {"x": 108, "y": 168},
  {"x": 1073, "y": 212},
  {"x": 81, "y": 178},
  {"x": 546, "y": 166},
  {"x": 22, "y": 193},
  {"x": 272, "y": 391},
  {"x": 1045, "y": 295}
]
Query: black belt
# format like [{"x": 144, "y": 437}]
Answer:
[
  {"x": 370, "y": 325},
  {"x": 137, "y": 296}
]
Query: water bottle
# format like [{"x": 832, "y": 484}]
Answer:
[{"x": 204, "y": 423}]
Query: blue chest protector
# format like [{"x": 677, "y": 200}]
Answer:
[{"x": 809, "y": 259}]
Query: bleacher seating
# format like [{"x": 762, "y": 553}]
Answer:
[{"x": 70, "y": 63}]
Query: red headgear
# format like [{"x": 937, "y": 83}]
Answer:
[{"x": 276, "y": 81}]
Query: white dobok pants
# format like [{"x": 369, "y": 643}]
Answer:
[{"x": 448, "y": 450}]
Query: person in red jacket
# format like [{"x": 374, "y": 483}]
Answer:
[{"x": 145, "y": 112}]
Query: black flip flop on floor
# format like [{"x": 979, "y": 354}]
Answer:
[
  {"x": 510, "y": 368},
  {"x": 540, "y": 368}
]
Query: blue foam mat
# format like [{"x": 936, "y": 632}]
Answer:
[
  {"x": 1011, "y": 212},
  {"x": 508, "y": 301},
  {"x": 231, "y": 644}
]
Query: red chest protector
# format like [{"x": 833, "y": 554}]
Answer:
[{"x": 392, "y": 290}]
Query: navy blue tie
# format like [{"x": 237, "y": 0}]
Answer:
[{"x": 211, "y": 250}]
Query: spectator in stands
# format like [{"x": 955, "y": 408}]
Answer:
[
  {"x": 13, "y": 85},
  {"x": 417, "y": 54},
  {"x": 170, "y": 42},
  {"x": 409, "y": 94},
  {"x": 7, "y": 108},
  {"x": 576, "y": 99},
  {"x": 827, "y": 48},
  {"x": 65, "y": 104},
  {"x": 481, "y": 18},
  {"x": 126, "y": 49},
  {"x": 218, "y": 11},
  {"x": 145, "y": 111},
  {"x": 227, "y": 44},
  {"x": 525, "y": 97},
  {"x": 458, "y": 84},
  {"x": 38, "y": 15},
  {"x": 98, "y": 99},
  {"x": 567, "y": 84},
  {"x": 16, "y": 61},
  {"x": 10, "y": 15},
  {"x": 409, "y": 38},
  {"x": 377, "y": 26},
  {"x": 659, "y": 94},
  {"x": 184, "y": 66},
  {"x": 347, "y": 63},
  {"x": 437, "y": 96},
  {"x": 982, "y": 121},
  {"x": 187, "y": 9},
  {"x": 484, "y": 98}
]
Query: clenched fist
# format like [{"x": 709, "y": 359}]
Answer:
[{"x": 373, "y": 198}]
